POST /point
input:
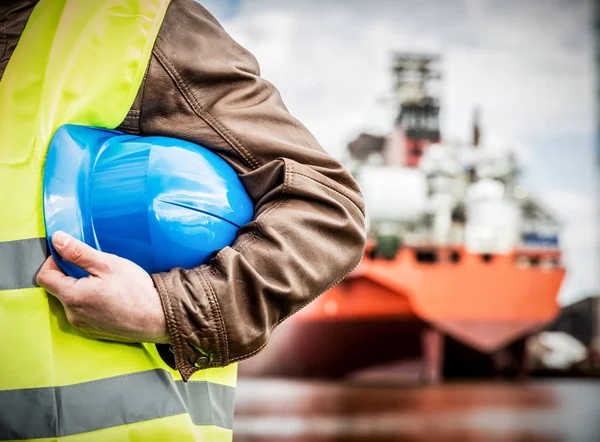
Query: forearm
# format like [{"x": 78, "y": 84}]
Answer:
[
  {"x": 308, "y": 228},
  {"x": 305, "y": 238}
]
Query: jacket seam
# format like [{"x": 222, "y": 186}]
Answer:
[
  {"x": 217, "y": 319},
  {"x": 254, "y": 233},
  {"x": 251, "y": 238},
  {"x": 278, "y": 202},
  {"x": 287, "y": 183},
  {"x": 129, "y": 127},
  {"x": 330, "y": 187},
  {"x": 174, "y": 328},
  {"x": 138, "y": 112},
  {"x": 199, "y": 109}
]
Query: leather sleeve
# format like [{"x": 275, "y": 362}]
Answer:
[{"x": 308, "y": 229}]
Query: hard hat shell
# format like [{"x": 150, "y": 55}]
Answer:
[{"x": 159, "y": 202}]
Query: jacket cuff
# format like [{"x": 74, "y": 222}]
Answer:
[{"x": 188, "y": 359}]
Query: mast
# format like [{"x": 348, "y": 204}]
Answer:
[
  {"x": 476, "y": 127},
  {"x": 416, "y": 87}
]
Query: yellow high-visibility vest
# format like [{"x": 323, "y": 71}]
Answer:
[{"x": 80, "y": 62}]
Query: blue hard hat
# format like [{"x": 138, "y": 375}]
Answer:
[{"x": 159, "y": 202}]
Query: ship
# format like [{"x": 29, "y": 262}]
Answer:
[{"x": 462, "y": 263}]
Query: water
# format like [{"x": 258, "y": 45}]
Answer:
[{"x": 548, "y": 411}]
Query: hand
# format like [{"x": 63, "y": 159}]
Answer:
[{"x": 117, "y": 301}]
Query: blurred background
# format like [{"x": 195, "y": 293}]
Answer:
[{"x": 472, "y": 129}]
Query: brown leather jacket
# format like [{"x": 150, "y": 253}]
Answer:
[{"x": 308, "y": 229}]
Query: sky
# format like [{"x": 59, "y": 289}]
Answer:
[{"x": 528, "y": 64}]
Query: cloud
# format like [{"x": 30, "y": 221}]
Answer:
[{"x": 527, "y": 64}]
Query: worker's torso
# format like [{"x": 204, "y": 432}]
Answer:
[{"x": 79, "y": 62}]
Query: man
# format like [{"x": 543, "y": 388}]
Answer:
[{"x": 306, "y": 235}]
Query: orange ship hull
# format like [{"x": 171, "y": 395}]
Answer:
[{"x": 379, "y": 312}]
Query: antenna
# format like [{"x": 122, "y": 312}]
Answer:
[{"x": 476, "y": 126}]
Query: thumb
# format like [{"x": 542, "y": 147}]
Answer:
[
  {"x": 79, "y": 253},
  {"x": 53, "y": 279}
]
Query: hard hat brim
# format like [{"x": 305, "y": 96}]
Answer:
[{"x": 66, "y": 184}]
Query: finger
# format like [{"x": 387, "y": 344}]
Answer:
[
  {"x": 80, "y": 254},
  {"x": 52, "y": 278}
]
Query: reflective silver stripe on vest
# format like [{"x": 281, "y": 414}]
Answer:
[
  {"x": 20, "y": 261},
  {"x": 63, "y": 411}
]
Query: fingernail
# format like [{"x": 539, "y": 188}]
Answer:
[{"x": 60, "y": 239}]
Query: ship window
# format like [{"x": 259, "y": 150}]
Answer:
[
  {"x": 414, "y": 120},
  {"x": 487, "y": 258},
  {"x": 419, "y": 120},
  {"x": 534, "y": 261},
  {"x": 454, "y": 256},
  {"x": 432, "y": 122},
  {"x": 427, "y": 256}
]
